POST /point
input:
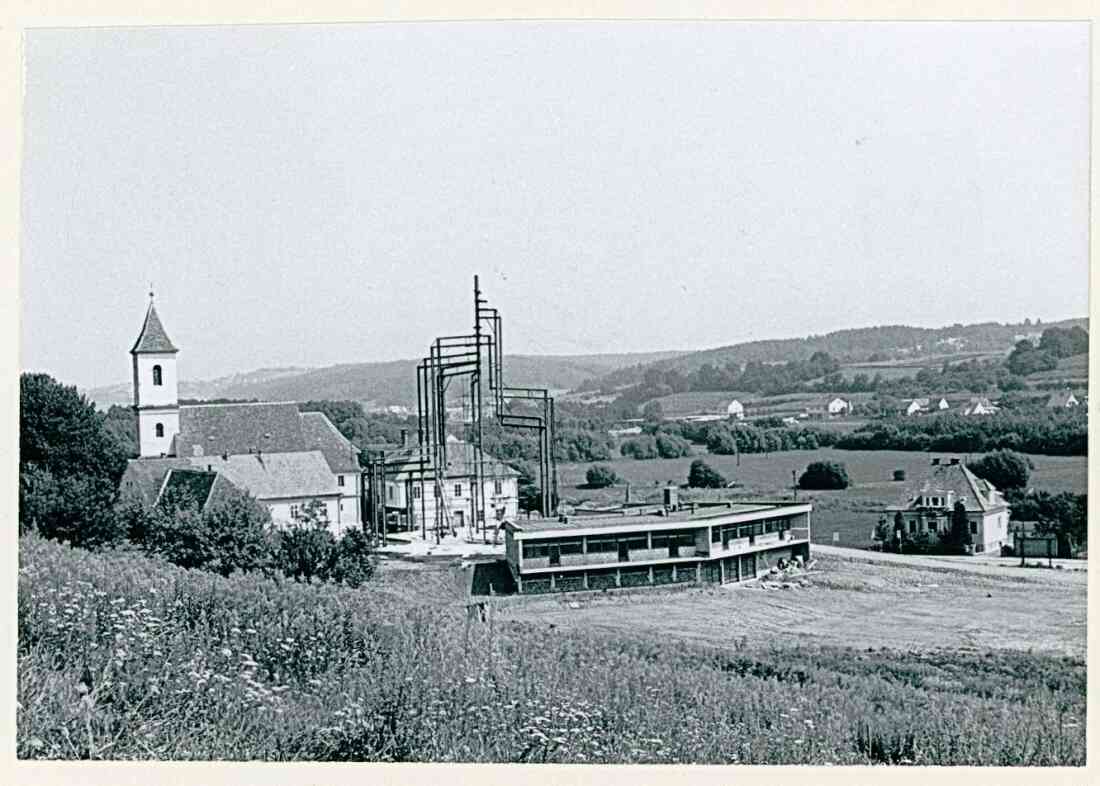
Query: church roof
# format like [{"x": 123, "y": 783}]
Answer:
[
  {"x": 216, "y": 429},
  {"x": 320, "y": 434},
  {"x": 275, "y": 475},
  {"x": 152, "y": 337},
  {"x": 144, "y": 477}
]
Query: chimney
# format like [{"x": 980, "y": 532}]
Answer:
[
  {"x": 935, "y": 462},
  {"x": 404, "y": 437}
]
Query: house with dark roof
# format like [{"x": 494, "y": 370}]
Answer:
[
  {"x": 283, "y": 457},
  {"x": 413, "y": 494},
  {"x": 1062, "y": 399},
  {"x": 930, "y": 501}
]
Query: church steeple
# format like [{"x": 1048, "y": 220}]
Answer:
[
  {"x": 156, "y": 386},
  {"x": 152, "y": 338}
]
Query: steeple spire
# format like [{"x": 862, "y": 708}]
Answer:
[{"x": 152, "y": 338}]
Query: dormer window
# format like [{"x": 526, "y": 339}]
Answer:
[{"x": 158, "y": 378}]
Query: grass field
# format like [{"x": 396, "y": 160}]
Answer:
[
  {"x": 853, "y": 604},
  {"x": 851, "y": 513},
  {"x": 186, "y": 665}
]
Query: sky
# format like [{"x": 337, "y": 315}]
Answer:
[{"x": 306, "y": 195}]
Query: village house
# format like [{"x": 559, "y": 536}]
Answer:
[
  {"x": 924, "y": 406},
  {"x": 736, "y": 410},
  {"x": 829, "y": 408},
  {"x": 930, "y": 502},
  {"x": 412, "y": 495},
  {"x": 716, "y": 543},
  {"x": 1062, "y": 400},
  {"x": 979, "y": 406},
  {"x": 283, "y": 457}
]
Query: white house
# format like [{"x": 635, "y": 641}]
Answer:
[
  {"x": 922, "y": 406},
  {"x": 736, "y": 410},
  {"x": 979, "y": 406},
  {"x": 413, "y": 495},
  {"x": 1062, "y": 400},
  {"x": 283, "y": 457},
  {"x": 928, "y": 507},
  {"x": 833, "y": 407}
]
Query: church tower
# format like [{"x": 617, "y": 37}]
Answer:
[{"x": 156, "y": 387}]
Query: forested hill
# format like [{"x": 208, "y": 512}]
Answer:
[
  {"x": 857, "y": 345},
  {"x": 382, "y": 384}
]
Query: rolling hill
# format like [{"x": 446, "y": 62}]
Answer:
[
  {"x": 887, "y": 345},
  {"x": 380, "y": 384}
]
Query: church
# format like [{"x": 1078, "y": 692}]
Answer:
[{"x": 283, "y": 457}]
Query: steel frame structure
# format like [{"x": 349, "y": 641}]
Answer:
[{"x": 474, "y": 359}]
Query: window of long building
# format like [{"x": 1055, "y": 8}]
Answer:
[
  {"x": 570, "y": 546},
  {"x": 535, "y": 550},
  {"x": 600, "y": 545}
]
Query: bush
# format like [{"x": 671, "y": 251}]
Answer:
[
  {"x": 640, "y": 448},
  {"x": 899, "y": 474},
  {"x": 824, "y": 475},
  {"x": 703, "y": 476},
  {"x": 671, "y": 446},
  {"x": 1003, "y": 468},
  {"x": 599, "y": 476}
]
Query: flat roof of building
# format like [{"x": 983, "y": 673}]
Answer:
[{"x": 649, "y": 518}]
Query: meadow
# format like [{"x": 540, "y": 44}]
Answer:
[
  {"x": 120, "y": 657},
  {"x": 851, "y": 513}
]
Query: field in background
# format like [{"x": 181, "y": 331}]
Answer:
[{"x": 851, "y": 513}]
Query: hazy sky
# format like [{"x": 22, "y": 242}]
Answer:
[{"x": 309, "y": 195}]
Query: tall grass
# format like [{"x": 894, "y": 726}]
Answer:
[{"x": 187, "y": 665}]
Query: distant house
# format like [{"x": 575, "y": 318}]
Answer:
[
  {"x": 1062, "y": 400},
  {"x": 833, "y": 407},
  {"x": 930, "y": 503},
  {"x": 924, "y": 406},
  {"x": 624, "y": 432},
  {"x": 700, "y": 418},
  {"x": 736, "y": 410},
  {"x": 980, "y": 406}
]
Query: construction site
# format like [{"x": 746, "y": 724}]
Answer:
[{"x": 445, "y": 488}]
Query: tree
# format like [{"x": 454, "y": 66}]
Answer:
[
  {"x": 232, "y": 534},
  {"x": 306, "y": 546},
  {"x": 237, "y": 528},
  {"x": 824, "y": 475},
  {"x": 69, "y": 465},
  {"x": 600, "y": 476},
  {"x": 1005, "y": 469},
  {"x": 702, "y": 476},
  {"x": 959, "y": 533},
  {"x": 653, "y": 411},
  {"x": 671, "y": 446}
]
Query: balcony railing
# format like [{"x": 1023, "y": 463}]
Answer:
[{"x": 612, "y": 558}]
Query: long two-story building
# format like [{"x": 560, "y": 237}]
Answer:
[{"x": 713, "y": 544}]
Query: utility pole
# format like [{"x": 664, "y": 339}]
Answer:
[{"x": 794, "y": 483}]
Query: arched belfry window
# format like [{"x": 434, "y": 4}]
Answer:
[
  {"x": 157, "y": 378},
  {"x": 159, "y": 429}
]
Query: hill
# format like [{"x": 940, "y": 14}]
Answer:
[
  {"x": 886, "y": 345},
  {"x": 381, "y": 384}
]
